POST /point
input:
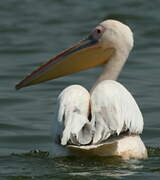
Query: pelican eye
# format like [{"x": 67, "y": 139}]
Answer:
[{"x": 98, "y": 31}]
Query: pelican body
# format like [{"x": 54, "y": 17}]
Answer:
[{"x": 107, "y": 120}]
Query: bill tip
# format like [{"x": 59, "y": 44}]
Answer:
[{"x": 17, "y": 86}]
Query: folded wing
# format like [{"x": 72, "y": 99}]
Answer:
[
  {"x": 73, "y": 115},
  {"x": 114, "y": 110}
]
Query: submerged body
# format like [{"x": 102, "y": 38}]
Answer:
[
  {"x": 125, "y": 146},
  {"x": 107, "y": 121}
]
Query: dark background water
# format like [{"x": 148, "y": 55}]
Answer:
[{"x": 31, "y": 31}]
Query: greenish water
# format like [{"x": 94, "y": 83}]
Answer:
[{"x": 31, "y": 31}]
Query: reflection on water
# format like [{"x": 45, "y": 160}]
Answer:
[
  {"x": 32, "y": 32},
  {"x": 42, "y": 165},
  {"x": 30, "y": 165},
  {"x": 98, "y": 167}
]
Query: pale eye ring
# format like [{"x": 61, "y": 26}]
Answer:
[{"x": 97, "y": 32}]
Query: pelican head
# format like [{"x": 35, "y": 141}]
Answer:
[
  {"x": 103, "y": 42},
  {"x": 115, "y": 35}
]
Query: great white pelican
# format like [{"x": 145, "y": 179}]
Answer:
[{"x": 107, "y": 120}]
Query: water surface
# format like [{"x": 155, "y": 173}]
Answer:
[{"x": 33, "y": 31}]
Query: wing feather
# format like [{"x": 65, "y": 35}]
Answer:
[
  {"x": 73, "y": 115},
  {"x": 114, "y": 110}
]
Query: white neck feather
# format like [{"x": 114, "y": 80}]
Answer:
[{"x": 113, "y": 67}]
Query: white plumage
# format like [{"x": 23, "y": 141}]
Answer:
[
  {"x": 113, "y": 110},
  {"x": 73, "y": 113}
]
